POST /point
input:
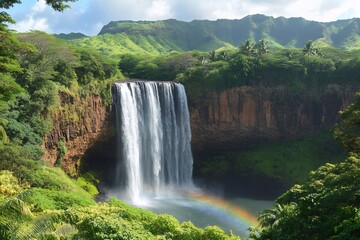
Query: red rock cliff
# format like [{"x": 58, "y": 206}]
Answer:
[
  {"x": 79, "y": 122},
  {"x": 232, "y": 118}
]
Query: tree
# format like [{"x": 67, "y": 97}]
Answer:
[
  {"x": 58, "y": 5},
  {"x": 248, "y": 48},
  {"x": 310, "y": 50},
  {"x": 262, "y": 47},
  {"x": 10, "y": 48},
  {"x": 288, "y": 54},
  {"x": 223, "y": 55},
  {"x": 212, "y": 55},
  {"x": 347, "y": 132},
  {"x": 326, "y": 206}
]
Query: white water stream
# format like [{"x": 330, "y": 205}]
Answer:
[{"x": 154, "y": 137}]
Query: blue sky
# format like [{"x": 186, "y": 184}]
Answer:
[{"x": 88, "y": 16}]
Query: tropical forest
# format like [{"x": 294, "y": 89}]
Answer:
[{"x": 245, "y": 128}]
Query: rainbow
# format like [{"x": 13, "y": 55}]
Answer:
[{"x": 230, "y": 208}]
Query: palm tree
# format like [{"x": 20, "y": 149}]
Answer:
[
  {"x": 272, "y": 217},
  {"x": 262, "y": 47},
  {"x": 248, "y": 48},
  {"x": 310, "y": 50},
  {"x": 212, "y": 55},
  {"x": 288, "y": 54},
  {"x": 223, "y": 55}
]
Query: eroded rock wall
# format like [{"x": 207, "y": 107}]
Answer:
[
  {"x": 79, "y": 123},
  {"x": 232, "y": 119}
]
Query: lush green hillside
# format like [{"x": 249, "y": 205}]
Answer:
[
  {"x": 152, "y": 37},
  {"x": 70, "y": 36}
]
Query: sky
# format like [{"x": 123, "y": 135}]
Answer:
[{"x": 89, "y": 16}]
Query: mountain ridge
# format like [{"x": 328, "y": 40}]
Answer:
[{"x": 161, "y": 36}]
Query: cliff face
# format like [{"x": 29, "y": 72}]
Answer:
[
  {"x": 79, "y": 122},
  {"x": 220, "y": 121},
  {"x": 233, "y": 118}
]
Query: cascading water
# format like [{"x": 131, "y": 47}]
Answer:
[
  {"x": 153, "y": 135},
  {"x": 154, "y": 155}
]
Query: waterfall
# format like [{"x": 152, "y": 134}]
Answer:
[{"x": 154, "y": 136}]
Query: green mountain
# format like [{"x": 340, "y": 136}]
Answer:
[
  {"x": 70, "y": 36},
  {"x": 153, "y": 37}
]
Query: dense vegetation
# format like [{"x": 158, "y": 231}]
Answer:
[
  {"x": 253, "y": 64},
  {"x": 153, "y": 37},
  {"x": 38, "y": 201},
  {"x": 46, "y": 67},
  {"x": 327, "y": 205},
  {"x": 41, "y": 202}
]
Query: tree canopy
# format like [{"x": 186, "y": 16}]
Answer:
[{"x": 58, "y": 5}]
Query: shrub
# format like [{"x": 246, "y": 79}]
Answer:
[
  {"x": 87, "y": 186},
  {"x": 163, "y": 224},
  {"x": 44, "y": 199},
  {"x": 188, "y": 231},
  {"x": 9, "y": 185},
  {"x": 214, "y": 233}
]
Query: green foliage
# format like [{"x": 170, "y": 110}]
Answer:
[
  {"x": 61, "y": 151},
  {"x": 42, "y": 199},
  {"x": 320, "y": 208},
  {"x": 248, "y": 48},
  {"x": 89, "y": 69},
  {"x": 227, "y": 68},
  {"x": 78, "y": 219},
  {"x": 9, "y": 185},
  {"x": 88, "y": 182},
  {"x": 45, "y": 65},
  {"x": 12, "y": 211},
  {"x": 163, "y": 224},
  {"x": 348, "y": 131},
  {"x": 187, "y": 230},
  {"x": 116, "y": 220},
  {"x": 58, "y": 5},
  {"x": 8, "y": 88},
  {"x": 64, "y": 73},
  {"x": 214, "y": 232}
]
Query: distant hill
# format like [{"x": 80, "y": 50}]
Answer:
[
  {"x": 70, "y": 36},
  {"x": 161, "y": 36}
]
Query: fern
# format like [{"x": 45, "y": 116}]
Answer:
[
  {"x": 12, "y": 213},
  {"x": 37, "y": 228},
  {"x": 15, "y": 209},
  {"x": 3, "y": 136}
]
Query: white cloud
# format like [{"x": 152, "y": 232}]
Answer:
[
  {"x": 31, "y": 21},
  {"x": 159, "y": 9},
  {"x": 88, "y": 16},
  {"x": 39, "y": 6},
  {"x": 33, "y": 24}
]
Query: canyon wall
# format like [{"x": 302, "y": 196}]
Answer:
[
  {"x": 231, "y": 119},
  {"x": 235, "y": 118},
  {"x": 78, "y": 123}
]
